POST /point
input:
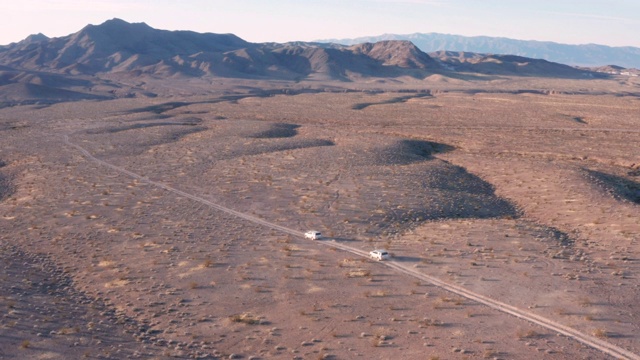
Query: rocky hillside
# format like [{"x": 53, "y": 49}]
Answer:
[
  {"x": 120, "y": 47},
  {"x": 589, "y": 55},
  {"x": 506, "y": 65}
]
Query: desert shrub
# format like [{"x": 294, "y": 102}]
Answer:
[{"x": 245, "y": 318}]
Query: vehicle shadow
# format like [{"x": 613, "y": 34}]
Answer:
[
  {"x": 341, "y": 239},
  {"x": 406, "y": 258}
]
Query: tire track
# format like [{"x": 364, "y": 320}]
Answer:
[
  {"x": 588, "y": 340},
  {"x": 182, "y": 193}
]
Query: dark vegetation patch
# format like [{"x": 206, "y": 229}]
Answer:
[
  {"x": 189, "y": 122},
  {"x": 560, "y": 238},
  {"x": 250, "y": 137},
  {"x": 619, "y": 187},
  {"x": 172, "y": 105},
  {"x": 395, "y": 100},
  {"x": 402, "y": 185},
  {"x": 259, "y": 148},
  {"x": 139, "y": 139},
  {"x": 560, "y": 244},
  {"x": 397, "y": 152},
  {"x": 160, "y": 108},
  {"x": 34, "y": 290},
  {"x": 12, "y": 125},
  {"x": 278, "y": 131},
  {"x": 408, "y": 151},
  {"x": 452, "y": 178},
  {"x": 439, "y": 191},
  {"x": 6, "y": 186},
  {"x": 173, "y": 136},
  {"x": 151, "y": 118}
]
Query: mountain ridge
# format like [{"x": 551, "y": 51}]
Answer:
[
  {"x": 119, "y": 46},
  {"x": 120, "y": 59},
  {"x": 588, "y": 55}
]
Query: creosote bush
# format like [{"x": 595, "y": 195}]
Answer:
[
  {"x": 245, "y": 318},
  {"x": 601, "y": 333}
]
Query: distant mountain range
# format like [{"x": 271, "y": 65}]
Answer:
[
  {"x": 590, "y": 55},
  {"x": 119, "y": 47},
  {"x": 117, "y": 58}
]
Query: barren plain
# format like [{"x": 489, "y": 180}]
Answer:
[{"x": 524, "y": 191}]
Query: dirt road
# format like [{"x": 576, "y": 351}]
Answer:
[{"x": 588, "y": 340}]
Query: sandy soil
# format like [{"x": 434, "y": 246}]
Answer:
[{"x": 530, "y": 199}]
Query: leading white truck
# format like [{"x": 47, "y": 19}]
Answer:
[{"x": 313, "y": 235}]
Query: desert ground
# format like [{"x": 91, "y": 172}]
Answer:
[{"x": 524, "y": 191}]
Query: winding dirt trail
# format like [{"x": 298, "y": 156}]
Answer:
[{"x": 588, "y": 340}]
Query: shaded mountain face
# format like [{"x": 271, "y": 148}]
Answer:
[
  {"x": 120, "y": 47},
  {"x": 590, "y": 55},
  {"x": 383, "y": 59},
  {"x": 41, "y": 87},
  {"x": 614, "y": 70},
  {"x": 506, "y": 65},
  {"x": 112, "y": 46},
  {"x": 403, "y": 54}
]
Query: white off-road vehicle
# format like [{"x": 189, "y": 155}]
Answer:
[
  {"x": 379, "y": 255},
  {"x": 313, "y": 235}
]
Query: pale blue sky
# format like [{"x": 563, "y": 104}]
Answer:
[{"x": 607, "y": 22}]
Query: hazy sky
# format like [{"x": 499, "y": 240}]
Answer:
[{"x": 607, "y": 22}]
